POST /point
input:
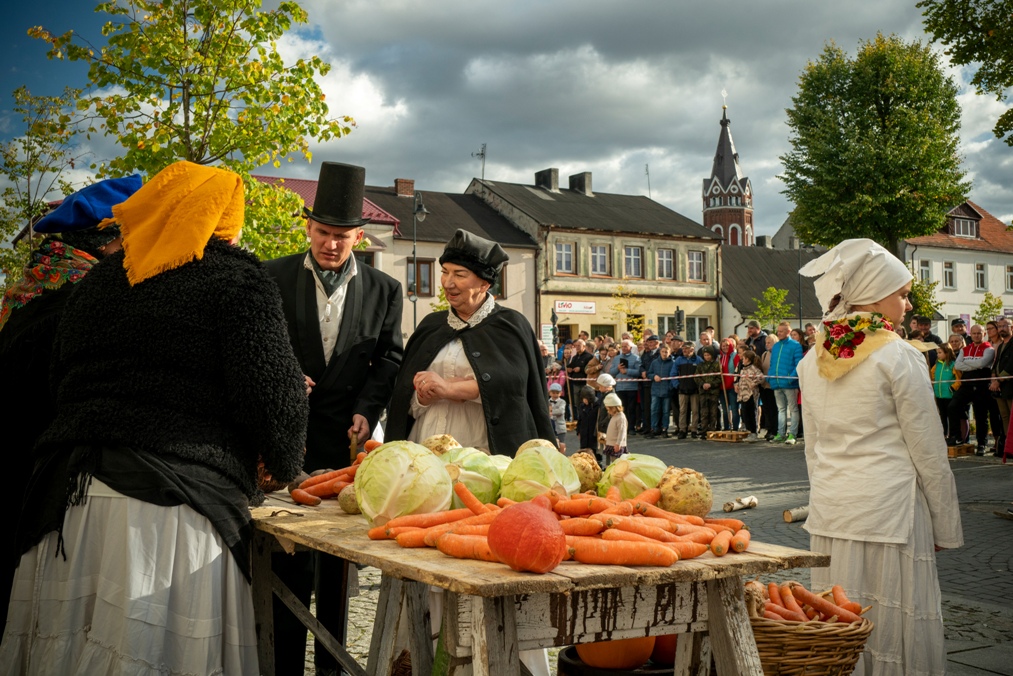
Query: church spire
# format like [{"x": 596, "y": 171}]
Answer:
[
  {"x": 726, "y": 161},
  {"x": 727, "y": 194}
]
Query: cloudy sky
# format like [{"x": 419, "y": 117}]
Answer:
[{"x": 605, "y": 87}]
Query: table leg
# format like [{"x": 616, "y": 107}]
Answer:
[
  {"x": 731, "y": 635},
  {"x": 494, "y": 636},
  {"x": 420, "y": 642},
  {"x": 262, "y": 600},
  {"x": 693, "y": 655},
  {"x": 388, "y": 614}
]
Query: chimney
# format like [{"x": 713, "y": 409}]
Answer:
[
  {"x": 548, "y": 179},
  {"x": 765, "y": 242},
  {"x": 404, "y": 187},
  {"x": 581, "y": 183}
]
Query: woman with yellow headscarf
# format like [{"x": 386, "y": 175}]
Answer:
[{"x": 173, "y": 376}]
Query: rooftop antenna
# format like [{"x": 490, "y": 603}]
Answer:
[
  {"x": 481, "y": 154},
  {"x": 647, "y": 170}
]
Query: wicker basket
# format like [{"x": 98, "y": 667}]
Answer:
[{"x": 809, "y": 648}]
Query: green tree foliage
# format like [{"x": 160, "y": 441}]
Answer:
[
  {"x": 874, "y": 145},
  {"x": 202, "y": 80},
  {"x": 625, "y": 308},
  {"x": 33, "y": 166},
  {"x": 978, "y": 33},
  {"x": 771, "y": 309},
  {"x": 923, "y": 296},
  {"x": 990, "y": 308}
]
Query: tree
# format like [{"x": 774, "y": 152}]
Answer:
[
  {"x": 33, "y": 166},
  {"x": 202, "y": 80},
  {"x": 441, "y": 303},
  {"x": 923, "y": 296},
  {"x": 990, "y": 308},
  {"x": 625, "y": 308},
  {"x": 980, "y": 33},
  {"x": 772, "y": 308},
  {"x": 874, "y": 145}
]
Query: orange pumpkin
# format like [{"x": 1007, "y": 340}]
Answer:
[
  {"x": 664, "y": 650},
  {"x": 527, "y": 537},
  {"x": 628, "y": 653}
]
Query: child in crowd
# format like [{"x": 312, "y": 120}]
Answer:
[
  {"x": 587, "y": 423},
  {"x": 747, "y": 389},
  {"x": 943, "y": 386},
  {"x": 661, "y": 389},
  {"x": 709, "y": 382},
  {"x": 557, "y": 412},
  {"x": 684, "y": 367},
  {"x": 615, "y": 437}
]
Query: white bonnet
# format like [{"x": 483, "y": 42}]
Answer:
[{"x": 860, "y": 270}]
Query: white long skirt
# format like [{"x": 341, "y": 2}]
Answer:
[
  {"x": 901, "y": 584},
  {"x": 145, "y": 590}
]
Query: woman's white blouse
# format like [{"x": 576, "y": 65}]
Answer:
[{"x": 873, "y": 439}]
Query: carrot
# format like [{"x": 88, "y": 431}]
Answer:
[
  {"x": 740, "y": 541},
  {"x": 821, "y": 604},
  {"x": 505, "y": 502},
  {"x": 610, "y": 521},
  {"x": 359, "y": 457},
  {"x": 841, "y": 599},
  {"x": 685, "y": 550},
  {"x": 597, "y": 551},
  {"x": 688, "y": 550},
  {"x": 789, "y": 599},
  {"x": 466, "y": 547},
  {"x": 686, "y": 529},
  {"x": 613, "y": 494},
  {"x": 581, "y": 526},
  {"x": 582, "y": 506},
  {"x": 326, "y": 477},
  {"x": 321, "y": 490},
  {"x": 734, "y": 524},
  {"x": 434, "y": 532},
  {"x": 371, "y": 445},
  {"x": 774, "y": 594},
  {"x": 431, "y": 519},
  {"x": 337, "y": 486},
  {"x": 468, "y": 498},
  {"x": 624, "y": 508},
  {"x": 720, "y": 543},
  {"x": 772, "y": 616},
  {"x": 392, "y": 533},
  {"x": 784, "y": 613},
  {"x": 471, "y": 529},
  {"x": 658, "y": 513},
  {"x": 377, "y": 533},
  {"x": 412, "y": 538},
  {"x": 636, "y": 526},
  {"x": 650, "y": 496},
  {"x": 303, "y": 498},
  {"x": 700, "y": 537}
]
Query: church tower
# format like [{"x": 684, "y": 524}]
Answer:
[{"x": 727, "y": 194}]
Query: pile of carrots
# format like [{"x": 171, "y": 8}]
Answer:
[
  {"x": 599, "y": 530},
  {"x": 328, "y": 484},
  {"x": 792, "y": 602}
]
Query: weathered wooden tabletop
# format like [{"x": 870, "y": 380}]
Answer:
[{"x": 327, "y": 529}]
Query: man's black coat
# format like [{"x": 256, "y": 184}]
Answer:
[
  {"x": 361, "y": 372},
  {"x": 504, "y": 354}
]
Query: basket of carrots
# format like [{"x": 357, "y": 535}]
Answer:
[{"x": 800, "y": 632}]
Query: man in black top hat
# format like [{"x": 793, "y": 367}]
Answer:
[{"x": 344, "y": 322}]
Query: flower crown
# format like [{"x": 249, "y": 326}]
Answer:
[{"x": 844, "y": 335}]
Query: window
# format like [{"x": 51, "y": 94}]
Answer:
[
  {"x": 422, "y": 270},
  {"x": 949, "y": 275},
  {"x": 364, "y": 257},
  {"x": 600, "y": 260},
  {"x": 666, "y": 264},
  {"x": 980, "y": 278},
  {"x": 564, "y": 258},
  {"x": 963, "y": 227},
  {"x": 695, "y": 326},
  {"x": 498, "y": 290},
  {"x": 697, "y": 272},
  {"x": 925, "y": 270},
  {"x": 1009, "y": 277},
  {"x": 634, "y": 261}
]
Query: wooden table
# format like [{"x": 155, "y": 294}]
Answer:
[{"x": 491, "y": 612}]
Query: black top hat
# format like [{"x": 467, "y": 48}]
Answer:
[
  {"x": 338, "y": 202},
  {"x": 483, "y": 257}
]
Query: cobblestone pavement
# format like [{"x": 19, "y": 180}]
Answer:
[{"x": 976, "y": 579}]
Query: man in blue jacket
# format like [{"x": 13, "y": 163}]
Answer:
[
  {"x": 783, "y": 380},
  {"x": 627, "y": 384}
]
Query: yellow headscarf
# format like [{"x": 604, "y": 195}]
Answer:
[{"x": 168, "y": 222}]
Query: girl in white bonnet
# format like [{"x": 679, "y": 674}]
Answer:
[{"x": 882, "y": 497}]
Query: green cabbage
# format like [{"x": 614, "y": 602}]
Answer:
[
  {"x": 475, "y": 470},
  {"x": 537, "y": 470},
  {"x": 501, "y": 462},
  {"x": 401, "y": 478},
  {"x": 633, "y": 474}
]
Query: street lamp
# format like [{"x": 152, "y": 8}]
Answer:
[{"x": 419, "y": 213}]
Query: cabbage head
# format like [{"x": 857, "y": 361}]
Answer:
[
  {"x": 475, "y": 470},
  {"x": 399, "y": 478},
  {"x": 633, "y": 474},
  {"x": 501, "y": 462},
  {"x": 537, "y": 470}
]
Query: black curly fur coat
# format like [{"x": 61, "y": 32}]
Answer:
[{"x": 193, "y": 363}]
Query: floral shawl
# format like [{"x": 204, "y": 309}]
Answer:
[
  {"x": 849, "y": 341},
  {"x": 50, "y": 266}
]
